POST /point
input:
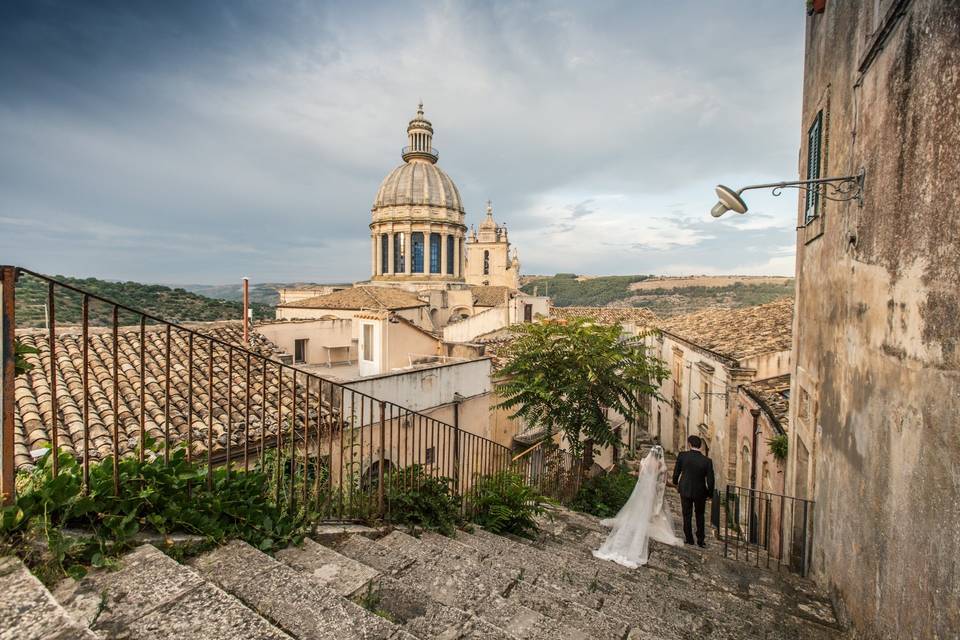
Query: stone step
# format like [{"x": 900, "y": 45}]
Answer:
[
  {"x": 455, "y": 576},
  {"x": 29, "y": 612},
  {"x": 292, "y": 600},
  {"x": 372, "y": 585},
  {"x": 782, "y": 591},
  {"x": 343, "y": 575},
  {"x": 152, "y": 596}
]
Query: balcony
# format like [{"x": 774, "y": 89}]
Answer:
[{"x": 413, "y": 152}]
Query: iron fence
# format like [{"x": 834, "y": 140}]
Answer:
[
  {"x": 101, "y": 393},
  {"x": 765, "y": 529}
]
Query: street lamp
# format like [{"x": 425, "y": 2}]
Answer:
[{"x": 839, "y": 189}]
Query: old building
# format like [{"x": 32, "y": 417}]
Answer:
[
  {"x": 710, "y": 355},
  {"x": 876, "y": 389},
  {"x": 488, "y": 255}
]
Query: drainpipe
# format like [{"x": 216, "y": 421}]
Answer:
[
  {"x": 246, "y": 312},
  {"x": 753, "y": 472}
]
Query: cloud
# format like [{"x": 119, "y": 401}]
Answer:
[{"x": 202, "y": 141}]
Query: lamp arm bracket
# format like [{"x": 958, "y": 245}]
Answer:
[{"x": 839, "y": 189}]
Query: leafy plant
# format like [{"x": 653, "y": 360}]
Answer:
[
  {"x": 416, "y": 498},
  {"x": 567, "y": 375},
  {"x": 504, "y": 503},
  {"x": 604, "y": 495},
  {"x": 779, "y": 444},
  {"x": 154, "y": 495},
  {"x": 20, "y": 351}
]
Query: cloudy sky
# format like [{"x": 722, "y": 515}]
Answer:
[{"x": 200, "y": 141}]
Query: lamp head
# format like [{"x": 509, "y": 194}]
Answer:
[{"x": 730, "y": 200}]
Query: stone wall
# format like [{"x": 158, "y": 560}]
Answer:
[{"x": 876, "y": 386}]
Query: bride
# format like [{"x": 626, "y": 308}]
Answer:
[{"x": 644, "y": 516}]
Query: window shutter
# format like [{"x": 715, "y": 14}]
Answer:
[{"x": 813, "y": 167}]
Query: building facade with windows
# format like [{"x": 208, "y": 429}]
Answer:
[
  {"x": 711, "y": 354},
  {"x": 876, "y": 380},
  {"x": 489, "y": 262}
]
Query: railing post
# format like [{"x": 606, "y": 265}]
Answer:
[
  {"x": 7, "y": 372},
  {"x": 383, "y": 429}
]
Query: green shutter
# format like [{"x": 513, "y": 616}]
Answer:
[{"x": 813, "y": 167}]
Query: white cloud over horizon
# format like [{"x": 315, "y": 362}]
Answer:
[{"x": 199, "y": 142}]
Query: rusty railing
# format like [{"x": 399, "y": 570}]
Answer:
[{"x": 101, "y": 389}]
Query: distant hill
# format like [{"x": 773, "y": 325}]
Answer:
[
  {"x": 665, "y": 296},
  {"x": 264, "y": 292},
  {"x": 174, "y": 304}
]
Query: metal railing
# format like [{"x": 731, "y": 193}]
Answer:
[
  {"x": 552, "y": 471},
  {"x": 766, "y": 529},
  {"x": 408, "y": 150},
  {"x": 102, "y": 393}
]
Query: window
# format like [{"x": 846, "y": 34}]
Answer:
[
  {"x": 416, "y": 252},
  {"x": 434, "y": 253},
  {"x": 399, "y": 257},
  {"x": 814, "y": 135},
  {"x": 430, "y": 455},
  {"x": 384, "y": 253},
  {"x": 486, "y": 263},
  {"x": 300, "y": 351},
  {"x": 450, "y": 242},
  {"x": 368, "y": 342}
]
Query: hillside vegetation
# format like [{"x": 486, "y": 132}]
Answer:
[
  {"x": 176, "y": 305},
  {"x": 664, "y": 296}
]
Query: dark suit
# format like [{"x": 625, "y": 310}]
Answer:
[{"x": 693, "y": 476}]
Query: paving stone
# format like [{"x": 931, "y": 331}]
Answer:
[
  {"x": 373, "y": 554},
  {"x": 204, "y": 613},
  {"x": 146, "y": 581},
  {"x": 28, "y": 611},
  {"x": 292, "y": 600},
  {"x": 345, "y": 576}
]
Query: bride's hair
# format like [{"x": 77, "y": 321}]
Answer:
[{"x": 657, "y": 451}]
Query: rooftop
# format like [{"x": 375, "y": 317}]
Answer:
[
  {"x": 737, "y": 334},
  {"x": 33, "y": 413},
  {"x": 360, "y": 297},
  {"x": 489, "y": 295},
  {"x": 607, "y": 315},
  {"x": 773, "y": 396}
]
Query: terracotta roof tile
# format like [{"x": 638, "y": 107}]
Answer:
[
  {"x": 737, "y": 333},
  {"x": 34, "y": 407},
  {"x": 607, "y": 315},
  {"x": 773, "y": 394},
  {"x": 489, "y": 295},
  {"x": 361, "y": 297}
]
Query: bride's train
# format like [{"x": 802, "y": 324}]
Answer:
[{"x": 645, "y": 516}]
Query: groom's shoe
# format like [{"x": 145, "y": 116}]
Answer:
[
  {"x": 702, "y": 545},
  {"x": 689, "y": 542}
]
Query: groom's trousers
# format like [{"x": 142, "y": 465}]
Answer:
[{"x": 689, "y": 507}]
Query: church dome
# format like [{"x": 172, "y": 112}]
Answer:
[{"x": 418, "y": 183}]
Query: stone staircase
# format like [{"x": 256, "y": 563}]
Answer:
[{"x": 373, "y": 586}]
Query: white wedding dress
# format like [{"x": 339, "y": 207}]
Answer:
[{"x": 644, "y": 516}]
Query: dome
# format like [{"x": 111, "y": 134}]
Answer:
[{"x": 418, "y": 183}]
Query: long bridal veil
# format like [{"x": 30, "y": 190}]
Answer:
[{"x": 643, "y": 517}]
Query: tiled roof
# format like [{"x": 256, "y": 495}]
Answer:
[
  {"x": 772, "y": 394},
  {"x": 361, "y": 297},
  {"x": 489, "y": 295},
  {"x": 607, "y": 315},
  {"x": 737, "y": 333},
  {"x": 33, "y": 405}
]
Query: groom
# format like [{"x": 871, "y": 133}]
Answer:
[{"x": 693, "y": 477}]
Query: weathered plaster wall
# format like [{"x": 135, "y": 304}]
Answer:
[{"x": 876, "y": 389}]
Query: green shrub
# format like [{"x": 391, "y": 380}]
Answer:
[
  {"x": 415, "y": 498},
  {"x": 778, "y": 446},
  {"x": 604, "y": 495},
  {"x": 154, "y": 496},
  {"x": 504, "y": 503}
]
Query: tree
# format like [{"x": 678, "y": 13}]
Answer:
[{"x": 564, "y": 375}]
